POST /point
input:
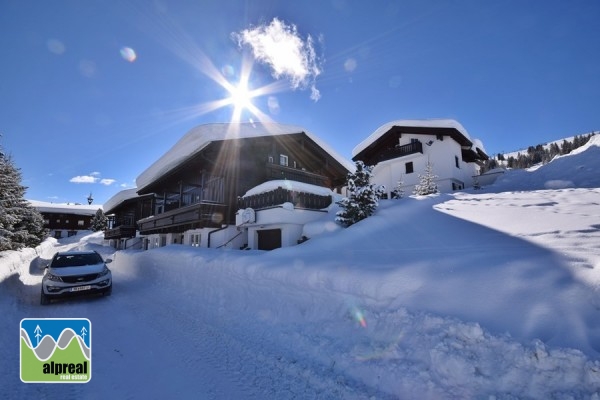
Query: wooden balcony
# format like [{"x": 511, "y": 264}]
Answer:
[
  {"x": 301, "y": 200},
  {"x": 198, "y": 215},
  {"x": 120, "y": 232},
  {"x": 276, "y": 171},
  {"x": 401, "y": 151}
]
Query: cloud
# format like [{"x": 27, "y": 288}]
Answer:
[
  {"x": 93, "y": 177},
  {"x": 282, "y": 48},
  {"x": 83, "y": 179}
]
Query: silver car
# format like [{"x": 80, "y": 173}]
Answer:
[{"x": 72, "y": 273}]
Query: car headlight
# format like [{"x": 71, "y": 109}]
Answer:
[
  {"x": 53, "y": 277},
  {"x": 104, "y": 272}
]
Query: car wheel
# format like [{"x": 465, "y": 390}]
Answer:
[{"x": 44, "y": 299}]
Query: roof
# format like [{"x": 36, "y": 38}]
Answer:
[
  {"x": 78, "y": 209},
  {"x": 460, "y": 134},
  {"x": 289, "y": 185},
  {"x": 201, "y": 136},
  {"x": 120, "y": 198}
]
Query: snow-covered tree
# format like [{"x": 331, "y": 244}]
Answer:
[
  {"x": 363, "y": 197},
  {"x": 426, "y": 183},
  {"x": 20, "y": 223},
  {"x": 99, "y": 221},
  {"x": 398, "y": 191}
]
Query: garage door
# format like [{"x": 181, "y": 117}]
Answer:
[{"x": 269, "y": 239}]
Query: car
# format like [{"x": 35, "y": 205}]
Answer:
[{"x": 73, "y": 273}]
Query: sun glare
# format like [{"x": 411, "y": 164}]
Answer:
[{"x": 241, "y": 97}]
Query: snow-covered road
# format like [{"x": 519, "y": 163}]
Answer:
[{"x": 149, "y": 342}]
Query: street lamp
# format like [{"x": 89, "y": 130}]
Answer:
[{"x": 90, "y": 199}]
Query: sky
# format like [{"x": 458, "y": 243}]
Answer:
[
  {"x": 479, "y": 294},
  {"x": 119, "y": 82}
]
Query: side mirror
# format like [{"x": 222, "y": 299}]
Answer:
[
  {"x": 47, "y": 266},
  {"x": 108, "y": 261}
]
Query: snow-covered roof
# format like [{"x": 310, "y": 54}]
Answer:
[
  {"x": 289, "y": 185},
  {"x": 65, "y": 208},
  {"x": 416, "y": 123},
  {"x": 119, "y": 198},
  {"x": 201, "y": 136}
]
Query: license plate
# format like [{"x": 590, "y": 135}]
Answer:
[{"x": 79, "y": 288}]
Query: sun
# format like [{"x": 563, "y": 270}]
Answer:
[{"x": 240, "y": 96}]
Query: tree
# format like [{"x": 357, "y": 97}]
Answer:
[
  {"x": 363, "y": 198},
  {"x": 99, "y": 221},
  {"x": 20, "y": 223},
  {"x": 427, "y": 183},
  {"x": 398, "y": 192}
]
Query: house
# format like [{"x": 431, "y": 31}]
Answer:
[
  {"x": 193, "y": 192},
  {"x": 65, "y": 220},
  {"x": 400, "y": 151},
  {"x": 273, "y": 214},
  {"x": 123, "y": 210}
]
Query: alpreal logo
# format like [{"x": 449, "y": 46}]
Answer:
[{"x": 56, "y": 350}]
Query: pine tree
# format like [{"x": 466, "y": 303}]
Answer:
[
  {"x": 427, "y": 183},
  {"x": 99, "y": 221},
  {"x": 363, "y": 198},
  {"x": 398, "y": 192},
  {"x": 20, "y": 223}
]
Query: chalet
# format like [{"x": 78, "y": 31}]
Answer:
[
  {"x": 123, "y": 210},
  {"x": 400, "y": 151},
  {"x": 65, "y": 220},
  {"x": 192, "y": 194}
]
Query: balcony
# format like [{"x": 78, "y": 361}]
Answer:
[
  {"x": 275, "y": 171},
  {"x": 198, "y": 215},
  {"x": 277, "y": 197},
  {"x": 120, "y": 232},
  {"x": 400, "y": 151}
]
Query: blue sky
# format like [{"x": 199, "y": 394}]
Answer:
[{"x": 92, "y": 92}]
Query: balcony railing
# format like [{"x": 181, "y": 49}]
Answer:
[
  {"x": 303, "y": 200},
  {"x": 401, "y": 151},
  {"x": 120, "y": 232},
  {"x": 275, "y": 171},
  {"x": 197, "y": 215}
]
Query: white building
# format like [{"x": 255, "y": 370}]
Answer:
[
  {"x": 277, "y": 211},
  {"x": 400, "y": 151}
]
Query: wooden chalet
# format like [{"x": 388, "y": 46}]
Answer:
[
  {"x": 65, "y": 220},
  {"x": 199, "y": 182},
  {"x": 123, "y": 210}
]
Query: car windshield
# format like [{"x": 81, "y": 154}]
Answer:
[{"x": 75, "y": 260}]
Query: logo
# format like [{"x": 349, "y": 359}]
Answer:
[{"x": 56, "y": 350}]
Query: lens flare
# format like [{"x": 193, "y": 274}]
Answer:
[
  {"x": 359, "y": 317},
  {"x": 128, "y": 54}
]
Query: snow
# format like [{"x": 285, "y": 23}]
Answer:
[
  {"x": 487, "y": 294},
  {"x": 420, "y": 123},
  {"x": 119, "y": 198},
  {"x": 201, "y": 136},
  {"x": 79, "y": 209},
  {"x": 289, "y": 185}
]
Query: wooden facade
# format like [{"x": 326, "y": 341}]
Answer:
[
  {"x": 123, "y": 217},
  {"x": 203, "y": 190}
]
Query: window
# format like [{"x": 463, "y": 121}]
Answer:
[
  {"x": 409, "y": 167},
  {"x": 456, "y": 161},
  {"x": 195, "y": 240},
  {"x": 270, "y": 160},
  {"x": 283, "y": 160},
  {"x": 80, "y": 222}
]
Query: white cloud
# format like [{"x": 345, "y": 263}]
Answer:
[
  {"x": 281, "y": 47},
  {"x": 83, "y": 179},
  {"x": 107, "y": 182}
]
